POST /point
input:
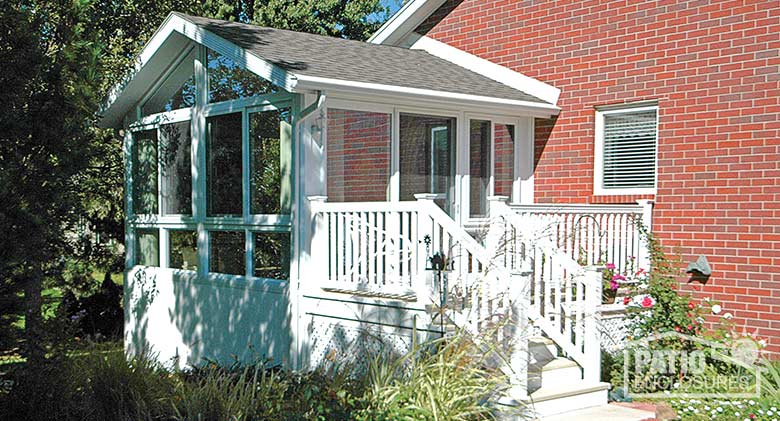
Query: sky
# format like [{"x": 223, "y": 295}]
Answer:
[{"x": 393, "y": 4}]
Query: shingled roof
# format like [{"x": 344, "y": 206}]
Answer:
[{"x": 341, "y": 59}]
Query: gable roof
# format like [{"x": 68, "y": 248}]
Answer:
[{"x": 299, "y": 62}]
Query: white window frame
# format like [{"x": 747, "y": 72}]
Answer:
[{"x": 598, "y": 151}]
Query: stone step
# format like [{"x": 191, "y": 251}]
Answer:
[{"x": 559, "y": 372}]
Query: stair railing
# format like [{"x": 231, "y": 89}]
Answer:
[{"x": 564, "y": 296}]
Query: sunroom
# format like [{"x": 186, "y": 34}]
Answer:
[{"x": 286, "y": 193}]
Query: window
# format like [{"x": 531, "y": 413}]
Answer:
[
  {"x": 427, "y": 157},
  {"x": 479, "y": 167},
  {"x": 228, "y": 80},
  {"x": 270, "y": 144},
  {"x": 226, "y": 252},
  {"x": 272, "y": 255},
  {"x": 145, "y": 172},
  {"x": 358, "y": 156},
  {"x": 147, "y": 247},
  {"x": 175, "y": 170},
  {"x": 183, "y": 248},
  {"x": 223, "y": 170},
  {"x": 626, "y": 143},
  {"x": 177, "y": 90}
]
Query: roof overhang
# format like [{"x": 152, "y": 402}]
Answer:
[{"x": 404, "y": 21}]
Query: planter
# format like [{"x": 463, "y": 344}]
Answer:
[{"x": 608, "y": 295}]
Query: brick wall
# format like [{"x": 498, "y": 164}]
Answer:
[
  {"x": 713, "y": 68},
  {"x": 358, "y": 156}
]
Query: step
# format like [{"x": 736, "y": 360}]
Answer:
[
  {"x": 559, "y": 372},
  {"x": 609, "y": 412},
  {"x": 555, "y": 400},
  {"x": 542, "y": 349}
]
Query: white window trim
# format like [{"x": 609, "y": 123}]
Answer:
[{"x": 598, "y": 153}]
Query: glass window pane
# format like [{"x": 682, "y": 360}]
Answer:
[
  {"x": 272, "y": 255},
  {"x": 177, "y": 91},
  {"x": 226, "y": 252},
  {"x": 145, "y": 172},
  {"x": 228, "y": 80},
  {"x": 183, "y": 249},
  {"x": 504, "y": 174},
  {"x": 223, "y": 172},
  {"x": 427, "y": 157},
  {"x": 479, "y": 167},
  {"x": 358, "y": 156},
  {"x": 175, "y": 141},
  {"x": 147, "y": 247},
  {"x": 270, "y": 137}
]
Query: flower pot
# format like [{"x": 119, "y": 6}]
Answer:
[{"x": 608, "y": 295}]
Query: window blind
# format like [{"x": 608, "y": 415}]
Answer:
[{"x": 630, "y": 141}]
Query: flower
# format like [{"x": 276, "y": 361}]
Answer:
[
  {"x": 610, "y": 266},
  {"x": 648, "y": 301},
  {"x": 691, "y": 305},
  {"x": 618, "y": 277},
  {"x": 716, "y": 308},
  {"x": 626, "y": 300},
  {"x": 677, "y": 328},
  {"x": 613, "y": 285}
]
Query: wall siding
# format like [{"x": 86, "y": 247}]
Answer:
[{"x": 713, "y": 68}]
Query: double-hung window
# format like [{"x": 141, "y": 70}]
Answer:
[{"x": 626, "y": 150}]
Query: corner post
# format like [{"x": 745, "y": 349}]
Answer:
[{"x": 319, "y": 235}]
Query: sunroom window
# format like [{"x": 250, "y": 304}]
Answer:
[
  {"x": 479, "y": 166},
  {"x": 177, "y": 90},
  {"x": 175, "y": 168},
  {"x": 626, "y": 143},
  {"x": 223, "y": 170},
  {"x": 504, "y": 167},
  {"x": 145, "y": 172},
  {"x": 272, "y": 255},
  {"x": 226, "y": 252},
  {"x": 358, "y": 156},
  {"x": 270, "y": 144},
  {"x": 183, "y": 249},
  {"x": 147, "y": 247},
  {"x": 228, "y": 80}
]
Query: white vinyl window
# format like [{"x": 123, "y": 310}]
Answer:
[{"x": 626, "y": 150}]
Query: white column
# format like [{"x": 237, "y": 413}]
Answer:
[
  {"x": 523, "y": 187},
  {"x": 592, "y": 338}
]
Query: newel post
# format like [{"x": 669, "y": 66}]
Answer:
[
  {"x": 520, "y": 300},
  {"x": 644, "y": 259},
  {"x": 318, "y": 250},
  {"x": 497, "y": 228},
  {"x": 592, "y": 339}
]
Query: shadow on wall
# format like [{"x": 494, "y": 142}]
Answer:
[
  {"x": 186, "y": 320},
  {"x": 543, "y": 128}
]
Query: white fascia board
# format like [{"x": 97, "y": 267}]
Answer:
[
  {"x": 174, "y": 23},
  {"x": 517, "y": 107},
  {"x": 501, "y": 74},
  {"x": 404, "y": 21}
]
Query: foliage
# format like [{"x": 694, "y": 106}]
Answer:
[{"x": 442, "y": 380}]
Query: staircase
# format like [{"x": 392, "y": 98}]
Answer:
[{"x": 547, "y": 302}]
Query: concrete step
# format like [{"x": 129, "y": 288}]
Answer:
[
  {"x": 559, "y": 372},
  {"x": 554, "y": 400},
  {"x": 609, "y": 412}
]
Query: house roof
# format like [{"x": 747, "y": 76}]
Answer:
[
  {"x": 337, "y": 58},
  {"x": 300, "y": 62}
]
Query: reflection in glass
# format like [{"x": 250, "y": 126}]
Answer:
[
  {"x": 223, "y": 172},
  {"x": 175, "y": 168},
  {"x": 226, "y": 252},
  {"x": 272, "y": 255},
  {"x": 270, "y": 137},
  {"x": 177, "y": 91},
  {"x": 358, "y": 156},
  {"x": 479, "y": 167},
  {"x": 183, "y": 249},
  {"x": 427, "y": 157},
  {"x": 228, "y": 80},
  {"x": 145, "y": 172},
  {"x": 147, "y": 247},
  {"x": 504, "y": 172}
]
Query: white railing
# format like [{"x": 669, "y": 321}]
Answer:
[
  {"x": 563, "y": 295},
  {"x": 594, "y": 234}
]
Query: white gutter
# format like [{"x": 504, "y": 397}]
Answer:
[{"x": 313, "y": 83}]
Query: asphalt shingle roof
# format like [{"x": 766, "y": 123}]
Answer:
[{"x": 342, "y": 59}]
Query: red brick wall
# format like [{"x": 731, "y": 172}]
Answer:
[
  {"x": 358, "y": 156},
  {"x": 713, "y": 68}
]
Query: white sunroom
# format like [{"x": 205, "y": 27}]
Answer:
[{"x": 286, "y": 193}]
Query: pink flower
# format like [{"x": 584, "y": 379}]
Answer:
[
  {"x": 610, "y": 266},
  {"x": 648, "y": 301},
  {"x": 626, "y": 300},
  {"x": 618, "y": 277},
  {"x": 613, "y": 285}
]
